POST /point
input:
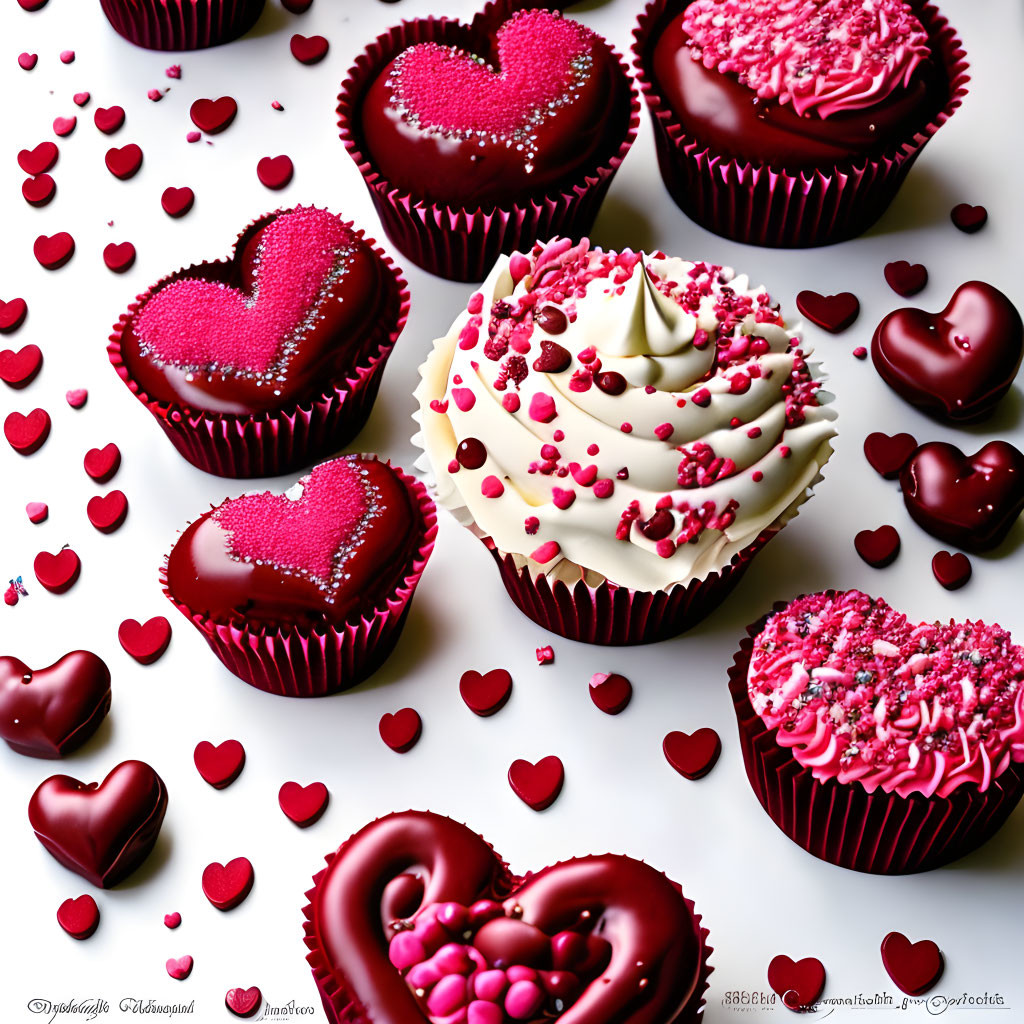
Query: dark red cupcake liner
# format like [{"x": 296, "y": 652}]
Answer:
[
  {"x": 276, "y": 442},
  {"x": 764, "y": 205},
  {"x": 296, "y": 662},
  {"x": 881, "y": 833},
  {"x": 452, "y": 242},
  {"x": 181, "y": 24}
]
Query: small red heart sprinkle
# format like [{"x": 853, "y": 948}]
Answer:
[
  {"x": 26, "y": 434},
  {"x": 102, "y": 463},
  {"x": 64, "y": 126},
  {"x": 802, "y": 981},
  {"x": 38, "y": 191},
  {"x": 172, "y": 920},
  {"x": 177, "y": 201},
  {"x": 81, "y": 98},
  {"x": 303, "y": 804},
  {"x": 119, "y": 257},
  {"x": 545, "y": 655},
  {"x": 145, "y": 642},
  {"x": 179, "y": 969},
  {"x": 309, "y": 49},
  {"x": 124, "y": 162},
  {"x": 275, "y": 172},
  {"x": 57, "y": 573},
  {"x": 213, "y": 116},
  {"x": 79, "y": 918},
  {"x": 833, "y": 313},
  {"x": 401, "y": 730},
  {"x": 485, "y": 694},
  {"x": 108, "y": 119},
  {"x": 888, "y": 455},
  {"x": 20, "y": 368},
  {"x": 693, "y": 756},
  {"x": 878, "y": 548},
  {"x": 860, "y": 352},
  {"x": 537, "y": 785},
  {"x": 297, "y": 6},
  {"x": 76, "y": 397},
  {"x": 67, "y": 56},
  {"x": 906, "y": 278},
  {"x": 27, "y": 61},
  {"x": 952, "y": 571},
  {"x": 968, "y": 218},
  {"x": 53, "y": 251},
  {"x": 219, "y": 765},
  {"x": 610, "y": 692},
  {"x": 243, "y": 1002},
  {"x": 225, "y": 886},
  {"x": 107, "y": 513},
  {"x": 914, "y": 967},
  {"x": 40, "y": 159},
  {"x": 37, "y": 511},
  {"x": 12, "y": 315}
]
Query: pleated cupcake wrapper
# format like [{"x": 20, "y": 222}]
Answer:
[
  {"x": 455, "y": 243},
  {"x": 843, "y": 823},
  {"x": 761, "y": 205},
  {"x": 341, "y": 1003},
  {"x": 297, "y": 662},
  {"x": 275, "y": 442},
  {"x": 181, "y": 24}
]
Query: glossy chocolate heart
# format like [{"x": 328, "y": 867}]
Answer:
[
  {"x": 414, "y": 899},
  {"x": 955, "y": 364},
  {"x": 50, "y": 711},
  {"x": 971, "y": 501},
  {"x": 103, "y": 831},
  {"x": 693, "y": 756}
]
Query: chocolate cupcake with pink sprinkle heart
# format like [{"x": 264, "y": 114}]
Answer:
[{"x": 267, "y": 361}]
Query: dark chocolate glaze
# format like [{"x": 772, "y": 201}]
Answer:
[
  {"x": 955, "y": 364},
  {"x": 103, "y": 831},
  {"x": 50, "y": 711},
  {"x": 720, "y": 112},
  {"x": 971, "y": 501},
  {"x": 402, "y": 862}
]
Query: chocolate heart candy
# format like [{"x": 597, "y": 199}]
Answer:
[
  {"x": 537, "y": 785},
  {"x": 914, "y": 966},
  {"x": 798, "y": 983}
]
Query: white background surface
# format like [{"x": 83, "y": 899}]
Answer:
[{"x": 759, "y": 893}]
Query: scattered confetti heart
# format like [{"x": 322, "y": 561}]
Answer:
[
  {"x": 79, "y": 918},
  {"x": 57, "y": 573},
  {"x": 219, "y": 765},
  {"x": 172, "y": 920},
  {"x": 833, "y": 313},
  {"x": 275, "y": 172},
  {"x": 19, "y": 369},
  {"x": 81, "y": 98},
  {"x": 145, "y": 642},
  {"x": 67, "y": 56},
  {"x": 297, "y": 6},
  {"x": 545, "y": 655},
  {"x": 610, "y": 692},
  {"x": 906, "y": 278},
  {"x": 179, "y": 969},
  {"x": 309, "y": 49},
  {"x": 888, "y": 455},
  {"x": 53, "y": 251},
  {"x": 102, "y": 463},
  {"x": 124, "y": 162},
  {"x": 177, "y": 201},
  {"x": 878, "y": 548},
  {"x": 107, "y": 513},
  {"x": 119, "y": 257},
  {"x": 485, "y": 694},
  {"x": 174, "y": 71},
  {"x": 108, "y": 119},
  {"x": 154, "y": 95},
  {"x": 27, "y": 61},
  {"x": 951, "y": 570},
  {"x": 40, "y": 159},
  {"x": 968, "y": 218},
  {"x": 26, "y": 434},
  {"x": 537, "y": 785},
  {"x": 303, "y": 804},
  {"x": 76, "y": 397},
  {"x": 37, "y": 511},
  {"x": 12, "y": 315},
  {"x": 244, "y": 1002},
  {"x": 193, "y": 136},
  {"x": 798, "y": 983},
  {"x": 213, "y": 116},
  {"x": 225, "y": 886},
  {"x": 914, "y": 967},
  {"x": 693, "y": 756},
  {"x": 401, "y": 730},
  {"x": 38, "y": 191},
  {"x": 64, "y": 126}
]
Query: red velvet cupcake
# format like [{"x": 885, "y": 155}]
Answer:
[
  {"x": 794, "y": 124},
  {"x": 876, "y": 743},
  {"x": 305, "y": 594},
  {"x": 262, "y": 363},
  {"x": 416, "y": 919},
  {"x": 479, "y": 139},
  {"x": 181, "y": 24}
]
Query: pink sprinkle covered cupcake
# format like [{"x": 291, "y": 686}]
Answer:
[
  {"x": 877, "y": 743},
  {"x": 181, "y": 24}
]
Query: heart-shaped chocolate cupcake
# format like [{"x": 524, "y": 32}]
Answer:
[
  {"x": 956, "y": 364},
  {"x": 103, "y": 831},
  {"x": 971, "y": 501},
  {"x": 416, "y": 919}
]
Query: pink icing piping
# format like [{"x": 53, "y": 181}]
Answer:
[
  {"x": 821, "y": 56},
  {"x": 862, "y": 695}
]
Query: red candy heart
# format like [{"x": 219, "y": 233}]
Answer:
[
  {"x": 177, "y": 201},
  {"x": 179, "y": 969},
  {"x": 692, "y": 756},
  {"x": 303, "y": 804},
  {"x": 952, "y": 571},
  {"x": 799, "y": 983},
  {"x": 40, "y": 159},
  {"x": 57, "y": 573},
  {"x": 172, "y": 920},
  {"x": 955, "y": 364},
  {"x": 119, "y": 257},
  {"x": 12, "y": 315},
  {"x": 79, "y": 918},
  {"x": 51, "y": 711},
  {"x": 145, "y": 643},
  {"x": 906, "y": 278},
  {"x": 485, "y": 694},
  {"x": 81, "y": 98},
  {"x": 219, "y": 765},
  {"x": 108, "y": 119},
  {"x": 125, "y": 162},
  {"x": 275, "y": 172},
  {"x": 38, "y": 191},
  {"x": 878, "y": 548},
  {"x": 20, "y": 368},
  {"x": 888, "y": 455},
  {"x": 26, "y": 434},
  {"x": 213, "y": 116},
  {"x": 27, "y": 61},
  {"x": 37, "y": 511},
  {"x": 309, "y": 50},
  {"x": 610, "y": 692},
  {"x": 107, "y": 513},
  {"x": 914, "y": 967},
  {"x": 76, "y": 397},
  {"x": 64, "y": 126},
  {"x": 102, "y": 463},
  {"x": 53, "y": 251},
  {"x": 833, "y": 313},
  {"x": 537, "y": 785},
  {"x": 225, "y": 886},
  {"x": 101, "y": 831},
  {"x": 401, "y": 730},
  {"x": 244, "y": 1002},
  {"x": 968, "y": 218}
]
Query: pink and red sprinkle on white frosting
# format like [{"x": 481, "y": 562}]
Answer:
[
  {"x": 861, "y": 694},
  {"x": 821, "y": 56}
]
